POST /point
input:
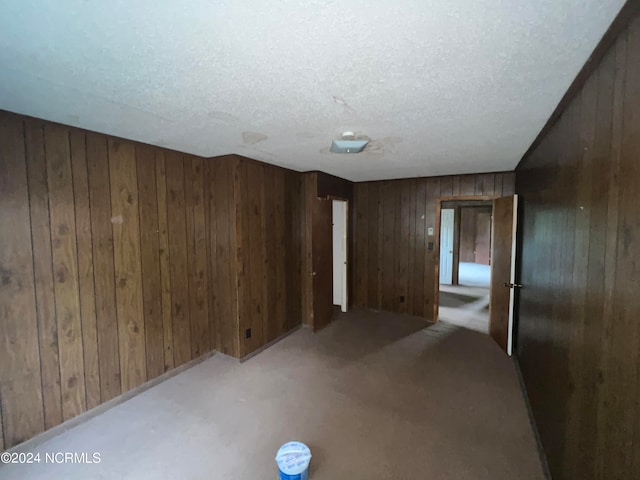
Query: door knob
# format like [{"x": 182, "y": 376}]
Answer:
[
  {"x": 313, "y": 273},
  {"x": 512, "y": 285}
]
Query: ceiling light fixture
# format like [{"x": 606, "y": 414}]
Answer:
[{"x": 348, "y": 144}]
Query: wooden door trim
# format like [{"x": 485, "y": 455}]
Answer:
[
  {"x": 436, "y": 243},
  {"x": 349, "y": 280}
]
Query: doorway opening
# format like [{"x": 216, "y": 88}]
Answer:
[
  {"x": 339, "y": 221},
  {"x": 465, "y": 263}
]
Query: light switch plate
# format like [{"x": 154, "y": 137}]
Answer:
[{"x": 430, "y": 231}]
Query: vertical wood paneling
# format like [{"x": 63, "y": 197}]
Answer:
[
  {"x": 582, "y": 263},
  {"x": 103, "y": 267},
  {"x": 271, "y": 295},
  {"x": 434, "y": 190},
  {"x": 20, "y": 387},
  {"x": 258, "y": 233},
  {"x": 150, "y": 260},
  {"x": 225, "y": 260},
  {"x": 294, "y": 250},
  {"x": 279, "y": 268},
  {"x": 601, "y": 148},
  {"x": 391, "y": 244},
  {"x": 127, "y": 262},
  {"x": 310, "y": 192},
  {"x": 253, "y": 256},
  {"x": 202, "y": 283},
  {"x": 65, "y": 267},
  {"x": 498, "y": 183},
  {"x": 411, "y": 250},
  {"x": 388, "y": 251},
  {"x": 165, "y": 271},
  {"x": 43, "y": 271},
  {"x": 456, "y": 184},
  {"x": 371, "y": 275},
  {"x": 360, "y": 262},
  {"x": 131, "y": 259},
  {"x": 241, "y": 250},
  {"x": 467, "y": 185},
  {"x": 176, "y": 209},
  {"x": 420, "y": 246},
  {"x": 446, "y": 185},
  {"x": 85, "y": 268},
  {"x": 191, "y": 256},
  {"x": 578, "y": 335},
  {"x": 197, "y": 256},
  {"x": 508, "y": 184},
  {"x": 627, "y": 281},
  {"x": 402, "y": 286},
  {"x": 609, "y": 412},
  {"x": 209, "y": 250},
  {"x": 233, "y": 240}
]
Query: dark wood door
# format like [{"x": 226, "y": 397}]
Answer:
[
  {"x": 322, "y": 261},
  {"x": 503, "y": 271}
]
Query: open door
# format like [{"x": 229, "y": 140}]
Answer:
[
  {"x": 322, "y": 263},
  {"x": 446, "y": 245},
  {"x": 503, "y": 271},
  {"x": 340, "y": 254}
]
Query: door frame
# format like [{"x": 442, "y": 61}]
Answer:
[
  {"x": 439, "y": 200},
  {"x": 348, "y": 252},
  {"x": 454, "y": 230},
  {"x": 344, "y": 204}
]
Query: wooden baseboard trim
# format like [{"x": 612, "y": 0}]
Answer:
[
  {"x": 534, "y": 426},
  {"x": 271, "y": 343}
]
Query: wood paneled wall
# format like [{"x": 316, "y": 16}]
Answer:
[
  {"x": 394, "y": 270},
  {"x": 120, "y": 261},
  {"x": 262, "y": 255},
  {"x": 475, "y": 234},
  {"x": 578, "y": 336}
]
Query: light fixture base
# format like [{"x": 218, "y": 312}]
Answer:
[{"x": 348, "y": 146}]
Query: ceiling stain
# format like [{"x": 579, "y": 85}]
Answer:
[
  {"x": 251, "y": 138},
  {"x": 222, "y": 116},
  {"x": 343, "y": 102}
]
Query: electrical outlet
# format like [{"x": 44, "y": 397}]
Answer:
[
  {"x": 401, "y": 298},
  {"x": 247, "y": 333},
  {"x": 430, "y": 246}
]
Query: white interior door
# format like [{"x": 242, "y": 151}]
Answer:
[
  {"x": 340, "y": 254},
  {"x": 446, "y": 245}
]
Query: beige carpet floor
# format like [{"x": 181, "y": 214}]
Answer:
[
  {"x": 375, "y": 396},
  {"x": 465, "y": 306}
]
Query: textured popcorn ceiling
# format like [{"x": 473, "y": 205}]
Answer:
[{"x": 440, "y": 86}]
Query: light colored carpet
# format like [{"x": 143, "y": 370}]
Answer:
[
  {"x": 375, "y": 396},
  {"x": 464, "y": 306}
]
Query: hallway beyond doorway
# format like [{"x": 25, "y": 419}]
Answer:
[{"x": 467, "y": 304}]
